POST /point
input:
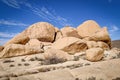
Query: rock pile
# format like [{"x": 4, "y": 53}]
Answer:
[{"x": 44, "y": 38}]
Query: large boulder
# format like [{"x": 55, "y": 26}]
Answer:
[
  {"x": 42, "y": 31},
  {"x": 18, "y": 50},
  {"x": 70, "y": 45},
  {"x": 58, "y": 34},
  {"x": 102, "y": 35},
  {"x": 91, "y": 44},
  {"x": 88, "y": 28},
  {"x": 1, "y": 48},
  {"x": 56, "y": 56},
  {"x": 94, "y": 54},
  {"x": 34, "y": 42},
  {"x": 21, "y": 38},
  {"x": 69, "y": 32}
]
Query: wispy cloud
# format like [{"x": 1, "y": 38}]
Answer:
[
  {"x": 11, "y": 23},
  {"x": 11, "y": 3},
  {"x": 7, "y": 35},
  {"x": 113, "y": 28},
  {"x": 42, "y": 12},
  {"x": 50, "y": 16}
]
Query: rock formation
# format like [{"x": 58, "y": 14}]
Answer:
[
  {"x": 44, "y": 36},
  {"x": 44, "y": 52}
]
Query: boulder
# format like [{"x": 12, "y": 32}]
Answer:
[
  {"x": 58, "y": 35},
  {"x": 102, "y": 35},
  {"x": 21, "y": 38},
  {"x": 70, "y": 45},
  {"x": 18, "y": 50},
  {"x": 34, "y": 42},
  {"x": 1, "y": 48},
  {"x": 92, "y": 44},
  {"x": 56, "y": 56},
  {"x": 88, "y": 28},
  {"x": 69, "y": 32},
  {"x": 42, "y": 31},
  {"x": 94, "y": 54},
  {"x": 103, "y": 45}
]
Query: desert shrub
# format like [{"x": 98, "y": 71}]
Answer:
[
  {"x": 38, "y": 59},
  {"x": 8, "y": 61},
  {"x": 23, "y": 60},
  {"x": 86, "y": 64},
  {"x": 76, "y": 58},
  {"x": 117, "y": 78},
  {"x": 19, "y": 64},
  {"x": 91, "y": 78},
  {"x": 32, "y": 59},
  {"x": 53, "y": 60},
  {"x": 26, "y": 64},
  {"x": 11, "y": 65}
]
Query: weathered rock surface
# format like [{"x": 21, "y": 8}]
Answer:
[
  {"x": 70, "y": 32},
  {"x": 34, "y": 42},
  {"x": 70, "y": 45},
  {"x": 42, "y": 31},
  {"x": 21, "y": 38},
  {"x": 106, "y": 70},
  {"x": 58, "y": 35},
  {"x": 92, "y": 44},
  {"x": 94, "y": 54},
  {"x": 88, "y": 28},
  {"x": 103, "y": 45},
  {"x": 18, "y": 50},
  {"x": 1, "y": 48},
  {"x": 102, "y": 35}
]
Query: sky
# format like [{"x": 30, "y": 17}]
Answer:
[{"x": 17, "y": 15}]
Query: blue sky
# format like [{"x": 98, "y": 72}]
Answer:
[{"x": 17, "y": 15}]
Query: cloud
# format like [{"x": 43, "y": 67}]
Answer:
[
  {"x": 7, "y": 35},
  {"x": 12, "y": 3},
  {"x": 50, "y": 16},
  {"x": 42, "y": 12},
  {"x": 113, "y": 28},
  {"x": 11, "y": 23}
]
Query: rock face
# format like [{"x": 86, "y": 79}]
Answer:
[
  {"x": 43, "y": 35},
  {"x": 94, "y": 54},
  {"x": 102, "y": 35},
  {"x": 1, "y": 48},
  {"x": 92, "y": 44},
  {"x": 70, "y": 32},
  {"x": 18, "y": 49},
  {"x": 88, "y": 28},
  {"x": 58, "y": 34},
  {"x": 103, "y": 45},
  {"x": 21, "y": 38},
  {"x": 70, "y": 45},
  {"x": 34, "y": 42},
  {"x": 42, "y": 31}
]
